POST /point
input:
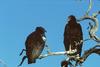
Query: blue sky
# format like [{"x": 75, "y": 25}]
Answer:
[{"x": 18, "y": 18}]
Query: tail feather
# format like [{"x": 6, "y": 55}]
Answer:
[{"x": 31, "y": 61}]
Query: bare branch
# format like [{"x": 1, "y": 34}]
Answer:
[
  {"x": 89, "y": 8},
  {"x": 80, "y": 60},
  {"x": 89, "y": 52},
  {"x": 93, "y": 28},
  {"x": 96, "y": 14},
  {"x": 56, "y": 53},
  {"x": 69, "y": 53}
]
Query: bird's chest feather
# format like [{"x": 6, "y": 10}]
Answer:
[
  {"x": 43, "y": 38},
  {"x": 71, "y": 33}
]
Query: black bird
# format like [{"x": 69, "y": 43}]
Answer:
[
  {"x": 34, "y": 44},
  {"x": 73, "y": 35}
]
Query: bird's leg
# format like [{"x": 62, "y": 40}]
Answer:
[
  {"x": 70, "y": 48},
  {"x": 22, "y": 51},
  {"x": 22, "y": 60}
]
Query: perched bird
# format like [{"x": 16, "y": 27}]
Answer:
[
  {"x": 34, "y": 44},
  {"x": 73, "y": 36}
]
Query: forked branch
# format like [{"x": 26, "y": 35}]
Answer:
[
  {"x": 95, "y": 49},
  {"x": 93, "y": 28}
]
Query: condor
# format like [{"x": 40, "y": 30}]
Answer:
[
  {"x": 73, "y": 36},
  {"x": 34, "y": 44}
]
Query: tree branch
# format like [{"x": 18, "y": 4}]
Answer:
[
  {"x": 80, "y": 60},
  {"x": 90, "y": 7},
  {"x": 56, "y": 53},
  {"x": 89, "y": 52},
  {"x": 93, "y": 28},
  {"x": 70, "y": 53}
]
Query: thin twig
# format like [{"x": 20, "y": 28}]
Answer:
[{"x": 90, "y": 7}]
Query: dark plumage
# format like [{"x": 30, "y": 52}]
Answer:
[
  {"x": 72, "y": 35},
  {"x": 64, "y": 63},
  {"x": 35, "y": 43}
]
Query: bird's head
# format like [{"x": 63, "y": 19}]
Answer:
[
  {"x": 71, "y": 17},
  {"x": 40, "y": 30}
]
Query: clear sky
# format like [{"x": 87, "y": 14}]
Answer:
[{"x": 18, "y": 18}]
